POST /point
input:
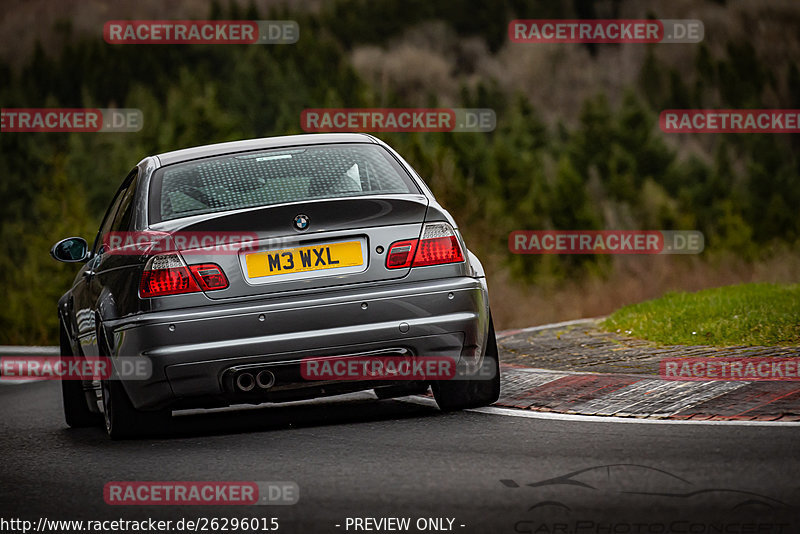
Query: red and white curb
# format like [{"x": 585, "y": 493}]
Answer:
[
  {"x": 647, "y": 397},
  {"x": 641, "y": 397}
]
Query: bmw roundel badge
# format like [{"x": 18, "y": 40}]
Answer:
[{"x": 301, "y": 222}]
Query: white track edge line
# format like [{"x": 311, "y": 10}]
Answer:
[
  {"x": 511, "y": 412},
  {"x": 513, "y": 331},
  {"x": 530, "y": 414}
]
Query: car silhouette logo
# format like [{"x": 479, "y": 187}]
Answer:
[
  {"x": 622, "y": 480},
  {"x": 301, "y": 222}
]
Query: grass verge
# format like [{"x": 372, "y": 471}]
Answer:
[{"x": 745, "y": 314}]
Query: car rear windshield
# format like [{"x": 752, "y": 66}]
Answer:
[{"x": 244, "y": 180}]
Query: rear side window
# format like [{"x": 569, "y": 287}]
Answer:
[
  {"x": 120, "y": 211},
  {"x": 124, "y": 219},
  {"x": 237, "y": 181}
]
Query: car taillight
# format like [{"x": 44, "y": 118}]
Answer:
[
  {"x": 438, "y": 245},
  {"x": 167, "y": 274}
]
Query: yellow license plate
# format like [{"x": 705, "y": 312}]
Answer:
[{"x": 304, "y": 259}]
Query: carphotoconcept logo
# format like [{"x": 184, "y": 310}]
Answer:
[
  {"x": 559, "y": 504},
  {"x": 398, "y": 120},
  {"x": 70, "y": 120},
  {"x": 201, "y": 32},
  {"x": 605, "y": 31},
  {"x": 730, "y": 121},
  {"x": 605, "y": 242}
]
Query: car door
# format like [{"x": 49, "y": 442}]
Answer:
[{"x": 86, "y": 291}]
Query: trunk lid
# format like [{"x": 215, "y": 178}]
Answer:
[{"x": 304, "y": 245}]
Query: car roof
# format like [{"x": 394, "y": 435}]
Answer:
[{"x": 187, "y": 154}]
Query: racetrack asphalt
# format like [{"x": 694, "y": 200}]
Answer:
[
  {"x": 357, "y": 457},
  {"x": 539, "y": 467}
]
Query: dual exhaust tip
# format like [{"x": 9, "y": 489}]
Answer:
[{"x": 246, "y": 381}]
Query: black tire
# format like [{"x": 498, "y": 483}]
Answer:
[
  {"x": 452, "y": 395},
  {"x": 76, "y": 410},
  {"x": 123, "y": 421}
]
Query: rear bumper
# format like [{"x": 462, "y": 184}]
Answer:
[{"x": 191, "y": 349}]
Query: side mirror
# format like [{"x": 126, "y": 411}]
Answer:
[{"x": 71, "y": 250}]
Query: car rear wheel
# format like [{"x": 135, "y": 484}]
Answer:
[
  {"x": 76, "y": 411},
  {"x": 482, "y": 390},
  {"x": 122, "y": 420}
]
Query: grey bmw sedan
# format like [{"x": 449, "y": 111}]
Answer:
[{"x": 229, "y": 268}]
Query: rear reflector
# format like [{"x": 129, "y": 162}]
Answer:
[
  {"x": 400, "y": 254},
  {"x": 167, "y": 274},
  {"x": 209, "y": 276},
  {"x": 437, "y": 246}
]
